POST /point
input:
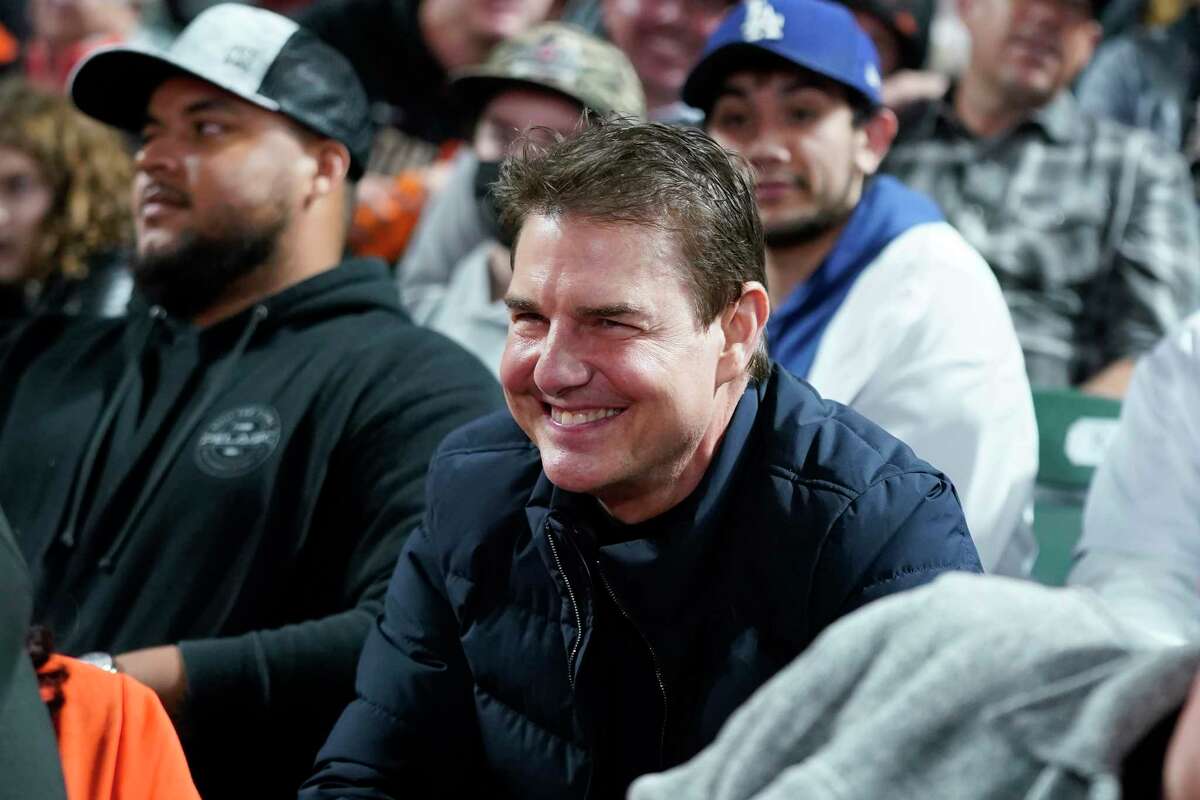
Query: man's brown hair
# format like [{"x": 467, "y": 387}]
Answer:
[{"x": 657, "y": 176}]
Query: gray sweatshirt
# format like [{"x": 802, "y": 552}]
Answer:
[{"x": 973, "y": 687}]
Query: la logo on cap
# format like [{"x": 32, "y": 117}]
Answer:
[{"x": 762, "y": 22}]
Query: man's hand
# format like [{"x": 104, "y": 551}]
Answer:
[{"x": 160, "y": 668}]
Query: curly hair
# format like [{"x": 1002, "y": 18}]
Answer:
[{"x": 86, "y": 165}]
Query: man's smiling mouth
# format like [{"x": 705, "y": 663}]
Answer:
[{"x": 582, "y": 416}]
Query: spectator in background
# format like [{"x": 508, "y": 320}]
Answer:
[
  {"x": 547, "y": 79},
  {"x": 65, "y": 223},
  {"x": 1141, "y": 531},
  {"x": 900, "y": 30},
  {"x": 405, "y": 50},
  {"x": 664, "y": 520},
  {"x": 1151, "y": 79},
  {"x": 212, "y": 491},
  {"x": 662, "y": 39},
  {"x": 64, "y": 31},
  {"x": 1090, "y": 227},
  {"x": 876, "y": 300}
]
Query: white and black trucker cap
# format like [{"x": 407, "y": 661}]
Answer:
[{"x": 258, "y": 55}]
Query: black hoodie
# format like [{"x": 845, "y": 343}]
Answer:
[{"x": 242, "y": 489}]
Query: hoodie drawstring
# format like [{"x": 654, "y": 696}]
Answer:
[
  {"x": 88, "y": 465},
  {"x": 182, "y": 434}
]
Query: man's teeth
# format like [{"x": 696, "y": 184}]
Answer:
[{"x": 580, "y": 417}]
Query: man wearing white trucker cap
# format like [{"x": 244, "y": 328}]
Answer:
[
  {"x": 876, "y": 300},
  {"x": 216, "y": 488}
]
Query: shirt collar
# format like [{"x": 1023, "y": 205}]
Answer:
[{"x": 1061, "y": 120}]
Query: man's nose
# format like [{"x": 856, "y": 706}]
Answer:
[
  {"x": 156, "y": 155},
  {"x": 664, "y": 12},
  {"x": 562, "y": 365},
  {"x": 767, "y": 147}
]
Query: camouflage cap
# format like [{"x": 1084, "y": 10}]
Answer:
[{"x": 560, "y": 58}]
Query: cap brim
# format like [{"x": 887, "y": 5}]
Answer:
[
  {"x": 474, "y": 89},
  {"x": 114, "y": 85},
  {"x": 702, "y": 83}
]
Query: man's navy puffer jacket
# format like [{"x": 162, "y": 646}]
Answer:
[{"x": 477, "y": 676}]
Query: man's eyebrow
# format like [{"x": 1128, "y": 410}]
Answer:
[
  {"x": 729, "y": 90},
  {"x": 198, "y": 107},
  {"x": 520, "y": 304},
  {"x": 612, "y": 310},
  {"x": 211, "y": 104}
]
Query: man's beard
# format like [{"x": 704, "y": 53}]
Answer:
[
  {"x": 809, "y": 227},
  {"x": 804, "y": 230},
  {"x": 191, "y": 277}
]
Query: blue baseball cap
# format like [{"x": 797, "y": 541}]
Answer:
[{"x": 816, "y": 35}]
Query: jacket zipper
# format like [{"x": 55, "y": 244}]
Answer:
[
  {"x": 658, "y": 675},
  {"x": 574, "y": 608}
]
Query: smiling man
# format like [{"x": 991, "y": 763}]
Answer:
[
  {"x": 876, "y": 300},
  {"x": 216, "y": 488},
  {"x": 1090, "y": 227},
  {"x": 662, "y": 521}
]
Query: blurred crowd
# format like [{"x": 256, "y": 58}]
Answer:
[{"x": 752, "y": 312}]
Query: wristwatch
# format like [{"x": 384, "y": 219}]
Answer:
[{"x": 102, "y": 660}]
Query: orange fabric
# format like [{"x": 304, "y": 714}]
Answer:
[
  {"x": 9, "y": 47},
  {"x": 115, "y": 739},
  {"x": 383, "y": 226},
  {"x": 383, "y": 232}
]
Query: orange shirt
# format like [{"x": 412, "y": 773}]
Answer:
[{"x": 115, "y": 739}]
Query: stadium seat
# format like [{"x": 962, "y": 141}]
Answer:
[{"x": 1074, "y": 431}]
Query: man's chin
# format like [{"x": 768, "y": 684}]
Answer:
[{"x": 799, "y": 230}]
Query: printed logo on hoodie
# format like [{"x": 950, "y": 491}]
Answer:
[{"x": 237, "y": 441}]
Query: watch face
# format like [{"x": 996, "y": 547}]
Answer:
[{"x": 102, "y": 660}]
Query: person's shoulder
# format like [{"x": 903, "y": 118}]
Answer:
[
  {"x": 828, "y": 445},
  {"x": 61, "y": 335},
  {"x": 482, "y": 474},
  {"x": 483, "y": 450},
  {"x": 1108, "y": 137},
  {"x": 936, "y": 262}
]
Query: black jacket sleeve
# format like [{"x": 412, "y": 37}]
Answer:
[
  {"x": 412, "y": 730},
  {"x": 902, "y": 531}
]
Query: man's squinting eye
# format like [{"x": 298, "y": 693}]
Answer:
[{"x": 615, "y": 326}]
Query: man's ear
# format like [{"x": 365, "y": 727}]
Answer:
[
  {"x": 332, "y": 162},
  {"x": 875, "y": 139},
  {"x": 743, "y": 324}
]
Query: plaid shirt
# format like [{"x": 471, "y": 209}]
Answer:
[{"x": 1090, "y": 227}]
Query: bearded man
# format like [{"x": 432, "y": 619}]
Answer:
[
  {"x": 216, "y": 488},
  {"x": 877, "y": 302}
]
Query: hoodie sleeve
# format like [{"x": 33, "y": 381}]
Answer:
[{"x": 290, "y": 683}]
